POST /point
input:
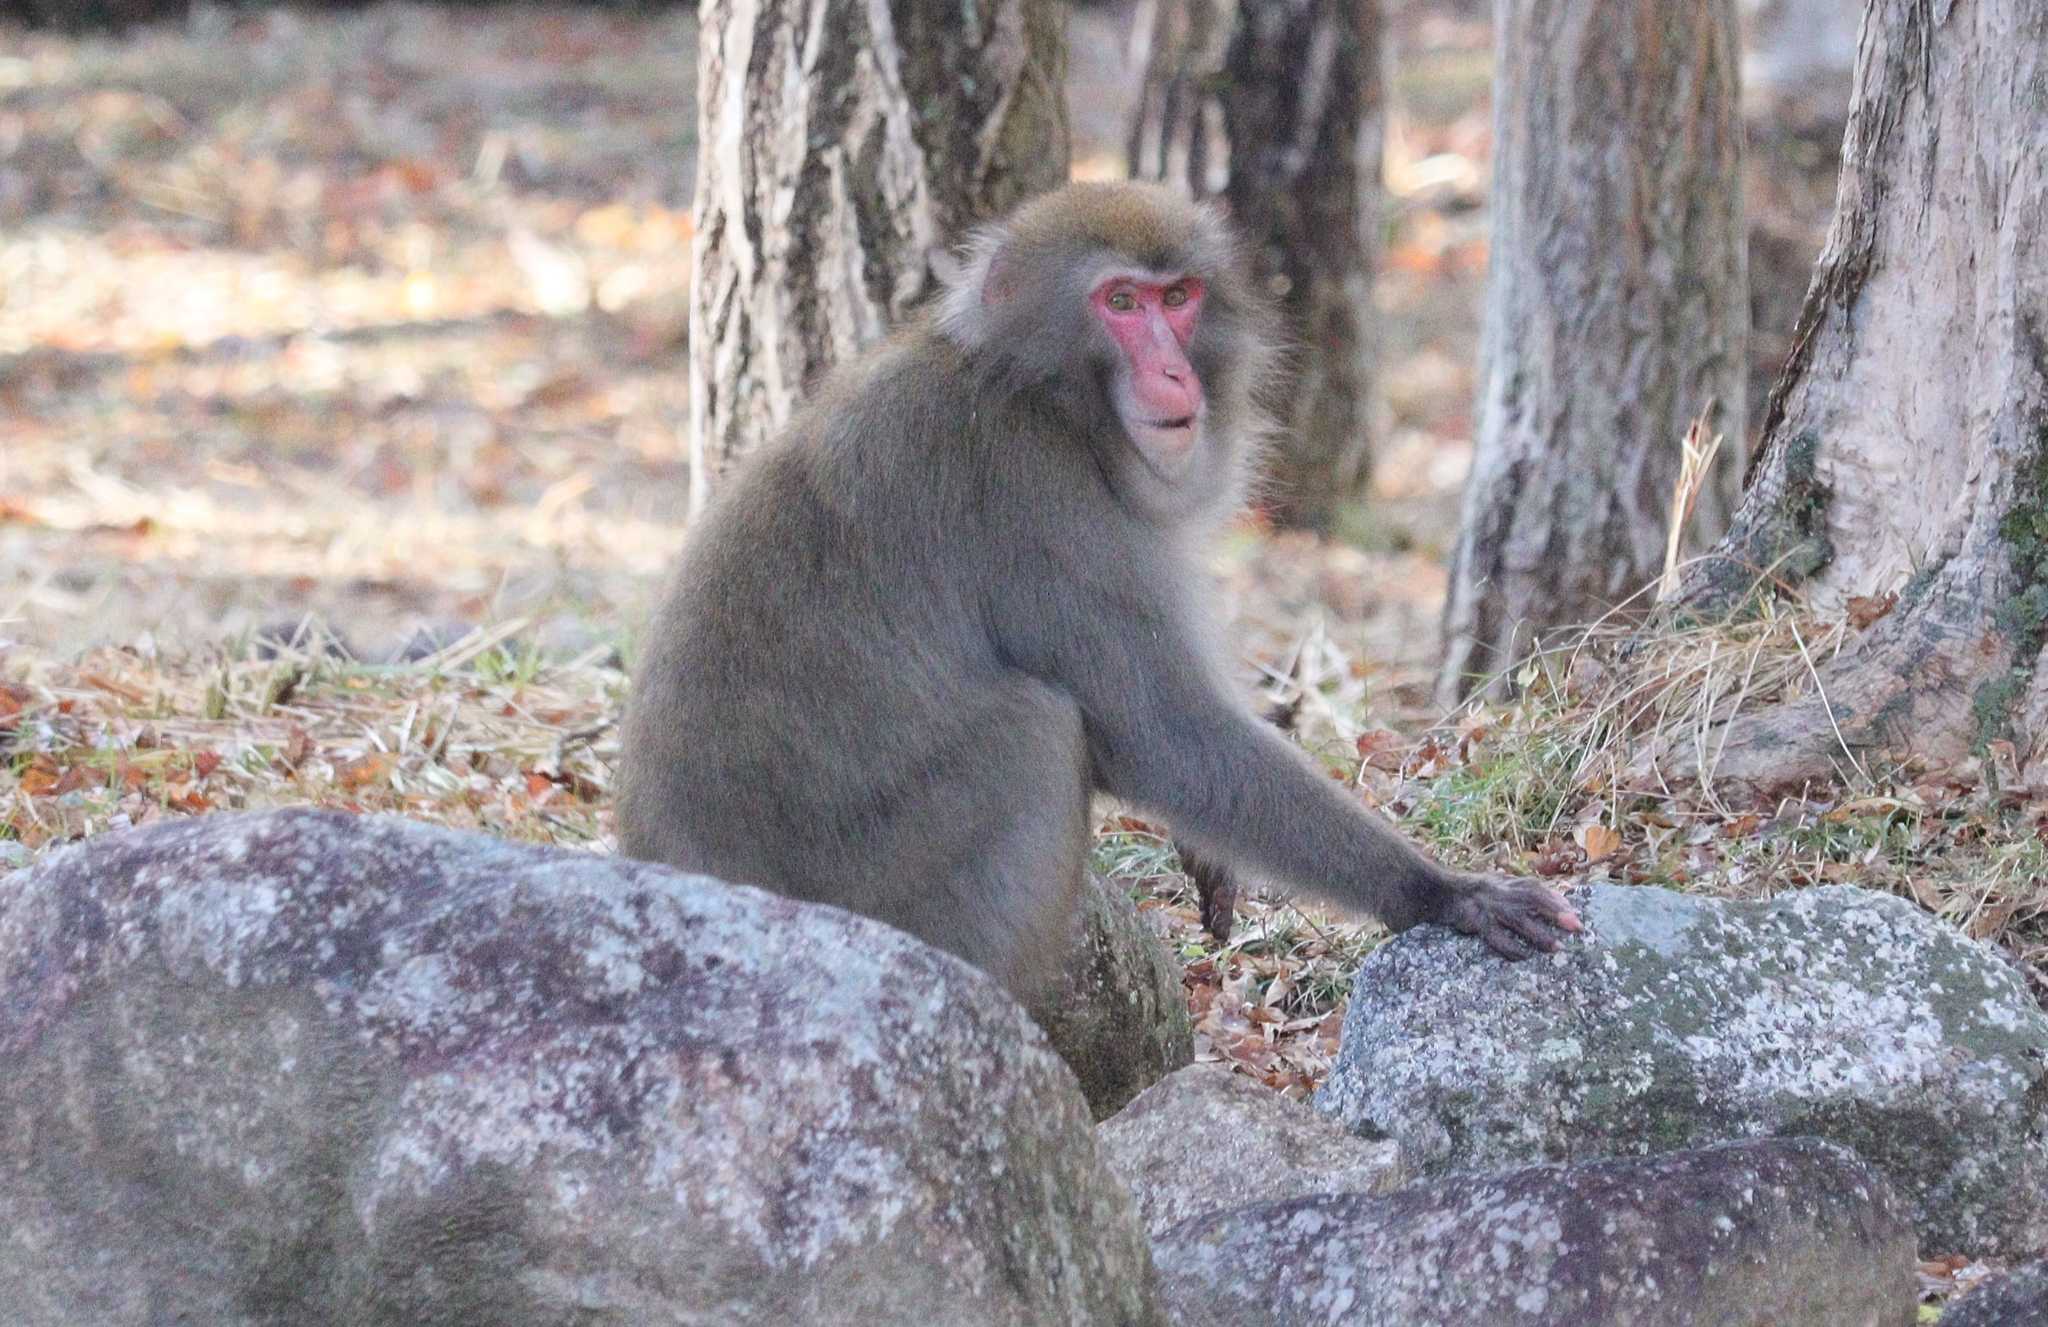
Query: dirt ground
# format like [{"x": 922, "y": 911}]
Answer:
[{"x": 376, "y": 317}]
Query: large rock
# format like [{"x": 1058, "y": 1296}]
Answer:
[
  {"x": 1204, "y": 1139},
  {"x": 1677, "y": 1021},
  {"x": 1117, "y": 1014},
  {"x": 301, "y": 1068},
  {"x": 1746, "y": 1235},
  {"x": 2018, "y": 1298}
]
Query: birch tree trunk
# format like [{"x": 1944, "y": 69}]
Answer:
[
  {"x": 1279, "y": 108},
  {"x": 1906, "y": 445},
  {"x": 841, "y": 143},
  {"x": 1616, "y": 311}
]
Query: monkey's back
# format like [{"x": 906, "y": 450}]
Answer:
[{"x": 821, "y": 658}]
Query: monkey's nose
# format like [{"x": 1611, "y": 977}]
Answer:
[{"x": 1170, "y": 397}]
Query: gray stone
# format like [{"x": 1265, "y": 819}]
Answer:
[
  {"x": 1204, "y": 1139},
  {"x": 1836, "y": 1012},
  {"x": 1757, "y": 1234},
  {"x": 2018, "y": 1298},
  {"x": 303, "y": 1068},
  {"x": 1117, "y": 1014}
]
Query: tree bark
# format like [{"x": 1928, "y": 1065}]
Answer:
[
  {"x": 842, "y": 143},
  {"x": 1616, "y": 312},
  {"x": 1176, "y": 135},
  {"x": 1279, "y": 108},
  {"x": 1906, "y": 445}
]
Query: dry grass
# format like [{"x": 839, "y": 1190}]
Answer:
[
  {"x": 1566, "y": 781},
  {"x": 1271, "y": 1000},
  {"x": 484, "y": 736},
  {"x": 1623, "y": 697}
]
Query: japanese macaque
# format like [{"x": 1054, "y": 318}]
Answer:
[{"x": 961, "y": 594}]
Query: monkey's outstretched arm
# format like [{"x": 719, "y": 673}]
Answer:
[
  {"x": 1223, "y": 779},
  {"x": 1164, "y": 734}
]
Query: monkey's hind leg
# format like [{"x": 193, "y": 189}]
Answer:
[{"x": 1010, "y": 902}]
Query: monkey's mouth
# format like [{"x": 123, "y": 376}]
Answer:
[{"x": 1166, "y": 445}]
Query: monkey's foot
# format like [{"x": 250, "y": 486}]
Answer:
[
  {"x": 1216, "y": 885},
  {"x": 1219, "y": 904},
  {"x": 1516, "y": 918}
]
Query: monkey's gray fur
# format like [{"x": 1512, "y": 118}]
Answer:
[{"x": 917, "y": 631}]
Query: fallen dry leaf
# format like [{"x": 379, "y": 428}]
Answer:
[
  {"x": 1862, "y": 610},
  {"x": 40, "y": 778},
  {"x": 1382, "y": 748},
  {"x": 1555, "y": 857},
  {"x": 365, "y": 770},
  {"x": 1597, "y": 841}
]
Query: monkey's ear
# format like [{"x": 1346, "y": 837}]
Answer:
[
  {"x": 982, "y": 277},
  {"x": 1000, "y": 280}
]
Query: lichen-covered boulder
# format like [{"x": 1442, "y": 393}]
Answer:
[
  {"x": 1676, "y": 1021},
  {"x": 302, "y": 1068},
  {"x": 1116, "y": 1014},
  {"x": 2018, "y": 1298},
  {"x": 1205, "y": 1138},
  {"x": 1745, "y": 1235}
]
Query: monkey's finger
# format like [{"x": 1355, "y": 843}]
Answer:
[
  {"x": 1546, "y": 927},
  {"x": 1502, "y": 940},
  {"x": 1527, "y": 911},
  {"x": 1540, "y": 903}
]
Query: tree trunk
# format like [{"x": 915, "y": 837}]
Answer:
[
  {"x": 1177, "y": 133},
  {"x": 841, "y": 143},
  {"x": 1906, "y": 445},
  {"x": 1616, "y": 311},
  {"x": 1278, "y": 107}
]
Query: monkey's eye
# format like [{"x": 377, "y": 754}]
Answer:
[
  {"x": 1175, "y": 296},
  {"x": 1123, "y": 301}
]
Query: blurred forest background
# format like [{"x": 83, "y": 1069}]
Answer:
[
  {"x": 377, "y": 318},
  {"x": 379, "y": 313}
]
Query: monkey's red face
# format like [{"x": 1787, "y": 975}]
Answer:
[{"x": 1157, "y": 392}]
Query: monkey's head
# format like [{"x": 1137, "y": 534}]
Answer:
[{"x": 1126, "y": 308}]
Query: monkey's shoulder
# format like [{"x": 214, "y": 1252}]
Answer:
[
  {"x": 911, "y": 429},
  {"x": 912, "y": 388}
]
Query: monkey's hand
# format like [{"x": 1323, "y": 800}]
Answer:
[{"x": 1516, "y": 918}]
